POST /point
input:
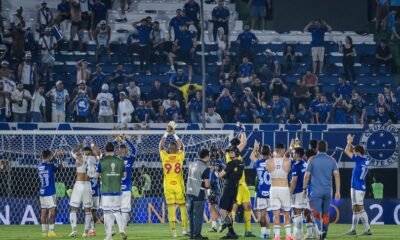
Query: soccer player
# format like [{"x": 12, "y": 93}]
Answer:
[
  {"x": 299, "y": 200},
  {"x": 263, "y": 187},
  {"x": 174, "y": 188},
  {"x": 279, "y": 168},
  {"x": 232, "y": 175},
  {"x": 47, "y": 169},
  {"x": 360, "y": 170},
  {"x": 82, "y": 191},
  {"x": 111, "y": 170},
  {"x": 95, "y": 186},
  {"x": 243, "y": 197},
  {"x": 127, "y": 152},
  {"x": 321, "y": 168},
  {"x": 215, "y": 188}
]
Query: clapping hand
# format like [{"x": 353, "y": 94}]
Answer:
[{"x": 350, "y": 139}]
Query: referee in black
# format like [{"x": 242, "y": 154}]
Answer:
[
  {"x": 232, "y": 174},
  {"x": 198, "y": 181}
]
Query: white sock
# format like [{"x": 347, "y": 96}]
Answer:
[
  {"x": 88, "y": 220},
  {"x": 288, "y": 229},
  {"x": 92, "y": 224},
  {"x": 364, "y": 220},
  {"x": 298, "y": 223},
  {"x": 221, "y": 221},
  {"x": 264, "y": 230},
  {"x": 356, "y": 218},
  {"x": 118, "y": 218},
  {"x": 45, "y": 228},
  {"x": 72, "y": 219},
  {"x": 277, "y": 230},
  {"x": 310, "y": 227},
  {"x": 109, "y": 223},
  {"x": 125, "y": 219},
  {"x": 51, "y": 227},
  {"x": 316, "y": 230},
  {"x": 214, "y": 224}
]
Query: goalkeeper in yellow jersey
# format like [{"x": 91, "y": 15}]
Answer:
[
  {"x": 174, "y": 187},
  {"x": 243, "y": 195}
]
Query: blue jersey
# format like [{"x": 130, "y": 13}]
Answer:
[
  {"x": 47, "y": 178},
  {"x": 360, "y": 170},
  {"x": 95, "y": 187},
  {"x": 299, "y": 170},
  {"x": 247, "y": 40},
  {"x": 126, "y": 183},
  {"x": 214, "y": 181},
  {"x": 82, "y": 106},
  {"x": 263, "y": 177}
]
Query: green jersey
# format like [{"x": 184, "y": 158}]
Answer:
[
  {"x": 111, "y": 169},
  {"x": 377, "y": 190}
]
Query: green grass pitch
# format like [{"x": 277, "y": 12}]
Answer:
[{"x": 161, "y": 231}]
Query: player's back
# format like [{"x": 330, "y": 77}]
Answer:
[
  {"x": 263, "y": 177},
  {"x": 299, "y": 170},
  {"x": 242, "y": 180},
  {"x": 321, "y": 167},
  {"x": 172, "y": 168},
  {"x": 47, "y": 178},
  {"x": 360, "y": 170}
]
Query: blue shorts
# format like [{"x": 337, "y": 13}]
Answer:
[{"x": 258, "y": 11}]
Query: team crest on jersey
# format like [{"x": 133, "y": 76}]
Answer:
[{"x": 381, "y": 143}]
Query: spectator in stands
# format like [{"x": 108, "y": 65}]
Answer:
[
  {"x": 249, "y": 97},
  {"x": 44, "y": 16},
  {"x": 133, "y": 92},
  {"x": 30, "y": 44},
  {"x": 258, "y": 90},
  {"x": 47, "y": 45},
  {"x": 278, "y": 107},
  {"x": 125, "y": 6},
  {"x": 105, "y": 102},
  {"x": 381, "y": 117},
  {"x": 192, "y": 11},
  {"x": 17, "y": 35},
  {"x": 289, "y": 58},
  {"x": 176, "y": 23},
  {"x": 38, "y": 106},
  {"x": 178, "y": 80},
  {"x": 116, "y": 92},
  {"x": 278, "y": 87},
  {"x": 157, "y": 38},
  {"x": 161, "y": 115},
  {"x": 323, "y": 111},
  {"x": 64, "y": 12},
  {"x": 258, "y": 9},
  {"x": 142, "y": 113},
  {"x": 157, "y": 94},
  {"x": 225, "y": 103},
  {"x": 27, "y": 72},
  {"x": 391, "y": 23},
  {"x": 119, "y": 75},
  {"x": 212, "y": 116},
  {"x": 17, "y": 18},
  {"x": 82, "y": 87},
  {"x": 387, "y": 93},
  {"x": 246, "y": 40},
  {"x": 340, "y": 108},
  {"x": 245, "y": 71},
  {"x": 382, "y": 8},
  {"x": 86, "y": 13},
  {"x": 357, "y": 109},
  {"x": 384, "y": 56},
  {"x": 183, "y": 49},
  {"x": 220, "y": 17},
  {"x": 4, "y": 102},
  {"x": 80, "y": 106},
  {"x": 310, "y": 80},
  {"x": 247, "y": 113},
  {"x": 99, "y": 13},
  {"x": 59, "y": 98},
  {"x": 395, "y": 106},
  {"x": 300, "y": 93},
  {"x": 97, "y": 79},
  {"x": 76, "y": 24},
  {"x": 317, "y": 29},
  {"x": 82, "y": 71},
  {"x": 314, "y": 103},
  {"x": 174, "y": 112},
  {"x": 194, "y": 108},
  {"x": 144, "y": 28},
  {"x": 5, "y": 72},
  {"x": 222, "y": 51},
  {"x": 167, "y": 102},
  {"x": 342, "y": 89},
  {"x": 125, "y": 110},
  {"x": 304, "y": 115},
  {"x": 349, "y": 53},
  {"x": 265, "y": 112},
  {"x": 382, "y": 103},
  {"x": 293, "y": 119},
  {"x": 3, "y": 47},
  {"x": 102, "y": 36},
  {"x": 272, "y": 62},
  {"x": 20, "y": 99}
]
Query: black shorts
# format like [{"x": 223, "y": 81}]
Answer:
[
  {"x": 214, "y": 197},
  {"x": 228, "y": 198},
  {"x": 77, "y": 24},
  {"x": 185, "y": 56}
]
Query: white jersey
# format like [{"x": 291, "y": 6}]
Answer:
[
  {"x": 278, "y": 172},
  {"x": 105, "y": 100},
  {"x": 125, "y": 109},
  {"x": 90, "y": 165},
  {"x": 28, "y": 71}
]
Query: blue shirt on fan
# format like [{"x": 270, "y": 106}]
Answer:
[
  {"x": 185, "y": 41},
  {"x": 144, "y": 34},
  {"x": 126, "y": 183},
  {"x": 192, "y": 11},
  {"x": 47, "y": 178},
  {"x": 299, "y": 169},
  {"x": 317, "y": 36},
  {"x": 247, "y": 40},
  {"x": 360, "y": 170},
  {"x": 263, "y": 178},
  {"x": 82, "y": 106}
]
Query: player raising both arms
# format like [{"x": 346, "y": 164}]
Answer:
[
  {"x": 174, "y": 188},
  {"x": 264, "y": 184},
  {"x": 82, "y": 191},
  {"x": 95, "y": 186},
  {"x": 360, "y": 170},
  {"x": 47, "y": 168}
]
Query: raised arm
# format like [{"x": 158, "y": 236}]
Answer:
[
  {"x": 132, "y": 147},
  {"x": 243, "y": 138},
  {"x": 307, "y": 27},
  {"x": 255, "y": 153},
  {"x": 349, "y": 147}
]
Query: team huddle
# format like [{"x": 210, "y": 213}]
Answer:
[{"x": 293, "y": 182}]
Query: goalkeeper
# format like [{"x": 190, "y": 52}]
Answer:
[{"x": 174, "y": 188}]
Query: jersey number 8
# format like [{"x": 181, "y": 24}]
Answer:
[{"x": 177, "y": 168}]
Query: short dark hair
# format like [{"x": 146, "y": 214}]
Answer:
[
  {"x": 300, "y": 151},
  {"x": 279, "y": 146},
  {"x": 109, "y": 147},
  {"x": 266, "y": 150},
  {"x": 122, "y": 146},
  {"x": 313, "y": 143},
  {"x": 235, "y": 141},
  {"x": 360, "y": 149},
  {"x": 322, "y": 146},
  {"x": 204, "y": 153},
  {"x": 87, "y": 148},
  {"x": 46, "y": 154}
]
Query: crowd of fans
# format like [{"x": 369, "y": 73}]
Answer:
[{"x": 248, "y": 90}]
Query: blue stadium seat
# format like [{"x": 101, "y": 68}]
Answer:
[{"x": 27, "y": 126}]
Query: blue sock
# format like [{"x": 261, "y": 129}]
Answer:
[{"x": 325, "y": 228}]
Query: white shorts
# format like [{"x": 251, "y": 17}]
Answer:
[
  {"x": 95, "y": 202},
  {"x": 299, "y": 201},
  {"x": 318, "y": 54},
  {"x": 81, "y": 193},
  {"x": 261, "y": 204},
  {"x": 126, "y": 201},
  {"x": 48, "y": 202},
  {"x": 279, "y": 198},
  {"x": 111, "y": 203},
  {"x": 357, "y": 197}
]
